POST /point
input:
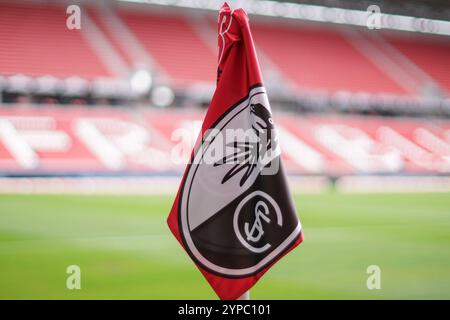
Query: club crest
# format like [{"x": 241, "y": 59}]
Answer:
[{"x": 235, "y": 212}]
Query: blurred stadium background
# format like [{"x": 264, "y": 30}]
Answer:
[{"x": 113, "y": 108}]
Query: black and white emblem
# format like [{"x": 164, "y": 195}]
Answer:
[
  {"x": 252, "y": 219},
  {"x": 235, "y": 211}
]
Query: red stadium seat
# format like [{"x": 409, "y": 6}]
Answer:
[
  {"x": 174, "y": 45},
  {"x": 321, "y": 58},
  {"x": 430, "y": 53},
  {"x": 34, "y": 41}
]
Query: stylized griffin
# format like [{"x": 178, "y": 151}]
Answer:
[{"x": 247, "y": 155}]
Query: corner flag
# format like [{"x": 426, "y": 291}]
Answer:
[{"x": 233, "y": 213}]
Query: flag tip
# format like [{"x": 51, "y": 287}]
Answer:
[{"x": 225, "y": 6}]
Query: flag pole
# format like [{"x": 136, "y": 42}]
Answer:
[{"x": 245, "y": 296}]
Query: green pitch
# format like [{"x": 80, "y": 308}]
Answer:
[{"x": 124, "y": 249}]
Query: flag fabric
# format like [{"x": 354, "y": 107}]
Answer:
[{"x": 233, "y": 213}]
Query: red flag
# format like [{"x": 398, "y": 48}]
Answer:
[{"x": 233, "y": 213}]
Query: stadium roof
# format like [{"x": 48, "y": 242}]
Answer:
[{"x": 430, "y": 17}]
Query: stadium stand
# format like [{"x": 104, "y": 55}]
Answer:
[
  {"x": 305, "y": 54},
  {"x": 431, "y": 54},
  {"x": 171, "y": 40},
  {"x": 33, "y": 43},
  {"x": 311, "y": 58},
  {"x": 103, "y": 19},
  {"x": 106, "y": 140},
  {"x": 317, "y": 58}
]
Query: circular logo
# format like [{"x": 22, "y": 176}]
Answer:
[{"x": 254, "y": 216}]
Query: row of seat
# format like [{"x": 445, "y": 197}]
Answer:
[
  {"x": 56, "y": 140},
  {"x": 34, "y": 41}
]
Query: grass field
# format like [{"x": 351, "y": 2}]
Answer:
[{"x": 125, "y": 250}]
